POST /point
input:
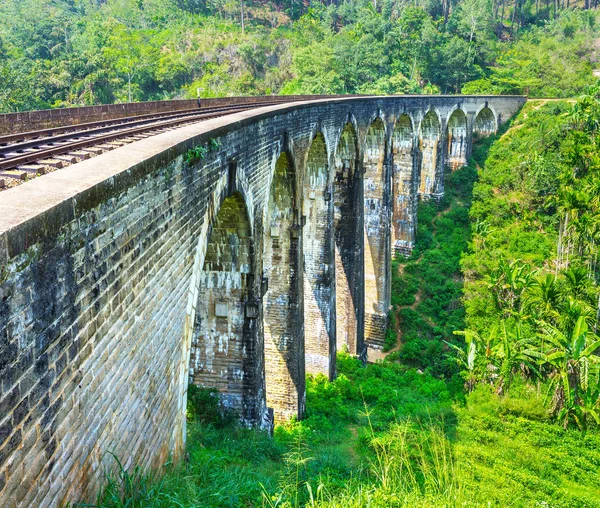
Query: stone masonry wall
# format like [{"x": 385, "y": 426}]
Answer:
[
  {"x": 457, "y": 139},
  {"x": 49, "y": 118},
  {"x": 222, "y": 331},
  {"x": 430, "y": 137},
  {"x": 101, "y": 277},
  {"x": 318, "y": 263},
  {"x": 405, "y": 183}
]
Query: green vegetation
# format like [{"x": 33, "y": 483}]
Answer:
[
  {"x": 199, "y": 152},
  {"x": 56, "y": 53},
  {"x": 404, "y": 432},
  {"x": 380, "y": 436},
  {"x": 426, "y": 289},
  {"x": 531, "y": 293}
]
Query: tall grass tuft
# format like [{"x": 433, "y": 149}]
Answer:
[
  {"x": 415, "y": 461},
  {"x": 132, "y": 489}
]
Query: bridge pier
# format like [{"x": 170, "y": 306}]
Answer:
[
  {"x": 457, "y": 145},
  {"x": 317, "y": 244},
  {"x": 377, "y": 203},
  {"x": 431, "y": 148},
  {"x": 405, "y": 185},
  {"x": 282, "y": 309},
  {"x": 348, "y": 227}
]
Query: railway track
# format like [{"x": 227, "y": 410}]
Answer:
[{"x": 26, "y": 155}]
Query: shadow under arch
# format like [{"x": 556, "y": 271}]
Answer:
[
  {"x": 405, "y": 181},
  {"x": 317, "y": 246},
  {"x": 485, "y": 122},
  {"x": 282, "y": 323},
  {"x": 376, "y": 193},
  {"x": 348, "y": 225},
  {"x": 222, "y": 339}
]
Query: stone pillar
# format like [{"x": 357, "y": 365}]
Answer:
[
  {"x": 457, "y": 142},
  {"x": 404, "y": 187},
  {"x": 348, "y": 226},
  {"x": 431, "y": 147},
  {"x": 377, "y": 201},
  {"x": 317, "y": 244},
  {"x": 470, "y": 132},
  {"x": 438, "y": 184},
  {"x": 283, "y": 331}
]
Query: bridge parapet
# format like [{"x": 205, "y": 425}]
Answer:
[
  {"x": 25, "y": 121},
  {"x": 127, "y": 275}
]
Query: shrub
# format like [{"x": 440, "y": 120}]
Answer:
[{"x": 203, "y": 406}]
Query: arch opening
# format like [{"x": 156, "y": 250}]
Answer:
[
  {"x": 376, "y": 235},
  {"x": 283, "y": 338},
  {"x": 347, "y": 223},
  {"x": 317, "y": 246},
  {"x": 222, "y": 341},
  {"x": 429, "y": 140},
  {"x": 485, "y": 122},
  {"x": 457, "y": 139},
  {"x": 404, "y": 187}
]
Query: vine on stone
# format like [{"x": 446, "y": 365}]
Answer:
[{"x": 199, "y": 152}]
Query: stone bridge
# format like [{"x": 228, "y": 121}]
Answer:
[{"x": 127, "y": 276}]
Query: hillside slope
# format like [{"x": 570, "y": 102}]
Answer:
[{"x": 56, "y": 53}]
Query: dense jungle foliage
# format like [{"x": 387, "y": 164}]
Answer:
[{"x": 56, "y": 53}]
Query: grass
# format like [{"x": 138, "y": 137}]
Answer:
[
  {"x": 361, "y": 446},
  {"x": 520, "y": 458}
]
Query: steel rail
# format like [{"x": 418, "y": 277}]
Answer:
[
  {"x": 112, "y": 135},
  {"x": 36, "y": 135},
  {"x": 104, "y": 126}
]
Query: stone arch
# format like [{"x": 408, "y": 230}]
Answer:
[
  {"x": 457, "y": 138},
  {"x": 222, "y": 342},
  {"x": 485, "y": 122},
  {"x": 347, "y": 224},
  {"x": 352, "y": 122},
  {"x": 404, "y": 186},
  {"x": 317, "y": 246},
  {"x": 283, "y": 335},
  {"x": 376, "y": 233},
  {"x": 429, "y": 140}
]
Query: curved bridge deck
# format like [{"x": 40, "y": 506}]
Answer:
[{"x": 239, "y": 253}]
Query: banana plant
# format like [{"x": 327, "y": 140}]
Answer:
[
  {"x": 515, "y": 350},
  {"x": 466, "y": 359},
  {"x": 573, "y": 355},
  {"x": 507, "y": 349},
  {"x": 508, "y": 283}
]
